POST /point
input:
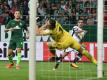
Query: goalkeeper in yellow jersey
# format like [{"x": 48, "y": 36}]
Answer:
[
  {"x": 62, "y": 40},
  {"x": 77, "y": 33}
]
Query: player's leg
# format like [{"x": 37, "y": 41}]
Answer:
[
  {"x": 76, "y": 46},
  {"x": 59, "y": 60},
  {"x": 66, "y": 52},
  {"x": 79, "y": 55},
  {"x": 84, "y": 52},
  {"x": 10, "y": 57},
  {"x": 18, "y": 58},
  {"x": 19, "y": 45},
  {"x": 73, "y": 64},
  {"x": 12, "y": 46},
  {"x": 89, "y": 56},
  {"x": 77, "y": 58},
  {"x": 66, "y": 44},
  {"x": 62, "y": 46},
  {"x": 57, "y": 64},
  {"x": 52, "y": 47}
]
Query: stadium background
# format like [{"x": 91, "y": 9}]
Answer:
[{"x": 67, "y": 12}]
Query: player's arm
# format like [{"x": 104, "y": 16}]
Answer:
[
  {"x": 77, "y": 30},
  {"x": 43, "y": 27},
  {"x": 80, "y": 31},
  {"x": 8, "y": 27},
  {"x": 83, "y": 32},
  {"x": 44, "y": 30}
]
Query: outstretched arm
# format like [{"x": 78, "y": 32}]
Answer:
[
  {"x": 44, "y": 30},
  {"x": 10, "y": 29}
]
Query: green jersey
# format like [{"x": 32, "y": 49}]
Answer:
[{"x": 19, "y": 27}]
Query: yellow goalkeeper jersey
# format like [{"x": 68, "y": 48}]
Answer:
[
  {"x": 58, "y": 32},
  {"x": 62, "y": 38}
]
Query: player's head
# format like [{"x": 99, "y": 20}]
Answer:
[
  {"x": 17, "y": 14},
  {"x": 80, "y": 23},
  {"x": 51, "y": 23}
]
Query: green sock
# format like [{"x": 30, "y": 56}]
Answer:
[
  {"x": 18, "y": 58},
  {"x": 10, "y": 57}
]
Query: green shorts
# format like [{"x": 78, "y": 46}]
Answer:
[{"x": 16, "y": 43}]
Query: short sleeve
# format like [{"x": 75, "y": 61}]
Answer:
[{"x": 8, "y": 25}]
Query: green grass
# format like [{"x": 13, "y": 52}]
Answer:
[
  {"x": 13, "y": 74},
  {"x": 86, "y": 71}
]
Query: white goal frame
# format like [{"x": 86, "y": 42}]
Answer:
[
  {"x": 100, "y": 25},
  {"x": 32, "y": 39}
]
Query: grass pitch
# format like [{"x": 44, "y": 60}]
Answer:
[{"x": 86, "y": 71}]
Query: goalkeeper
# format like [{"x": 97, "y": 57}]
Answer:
[
  {"x": 78, "y": 33},
  {"x": 62, "y": 39}
]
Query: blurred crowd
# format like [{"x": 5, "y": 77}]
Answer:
[
  {"x": 65, "y": 11},
  {"x": 69, "y": 11},
  {"x": 7, "y": 8}
]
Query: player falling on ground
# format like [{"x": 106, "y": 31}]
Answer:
[
  {"x": 62, "y": 39},
  {"x": 78, "y": 33},
  {"x": 16, "y": 26}
]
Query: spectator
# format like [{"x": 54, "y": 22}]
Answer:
[
  {"x": 90, "y": 20},
  {"x": 25, "y": 8},
  {"x": 7, "y": 17},
  {"x": 57, "y": 9},
  {"x": 1, "y": 9},
  {"x": 10, "y": 3}
]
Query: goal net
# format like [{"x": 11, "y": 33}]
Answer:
[{"x": 68, "y": 13}]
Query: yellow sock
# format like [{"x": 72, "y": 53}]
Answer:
[{"x": 89, "y": 56}]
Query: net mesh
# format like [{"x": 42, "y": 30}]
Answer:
[{"x": 68, "y": 12}]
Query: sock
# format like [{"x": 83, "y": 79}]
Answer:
[
  {"x": 57, "y": 64},
  {"x": 10, "y": 57},
  {"x": 18, "y": 58},
  {"x": 89, "y": 56},
  {"x": 77, "y": 58}
]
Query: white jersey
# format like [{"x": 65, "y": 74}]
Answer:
[{"x": 78, "y": 34}]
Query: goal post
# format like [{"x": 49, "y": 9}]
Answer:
[
  {"x": 32, "y": 39},
  {"x": 100, "y": 25},
  {"x": 32, "y": 44}
]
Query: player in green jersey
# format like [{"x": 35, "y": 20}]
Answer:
[{"x": 16, "y": 26}]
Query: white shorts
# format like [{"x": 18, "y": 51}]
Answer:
[{"x": 71, "y": 50}]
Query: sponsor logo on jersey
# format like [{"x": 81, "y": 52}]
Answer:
[{"x": 17, "y": 27}]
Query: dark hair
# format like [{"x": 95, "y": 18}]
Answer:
[
  {"x": 17, "y": 10},
  {"x": 52, "y": 23},
  {"x": 81, "y": 20}
]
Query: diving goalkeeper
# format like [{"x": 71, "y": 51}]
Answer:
[
  {"x": 62, "y": 39},
  {"x": 77, "y": 33}
]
